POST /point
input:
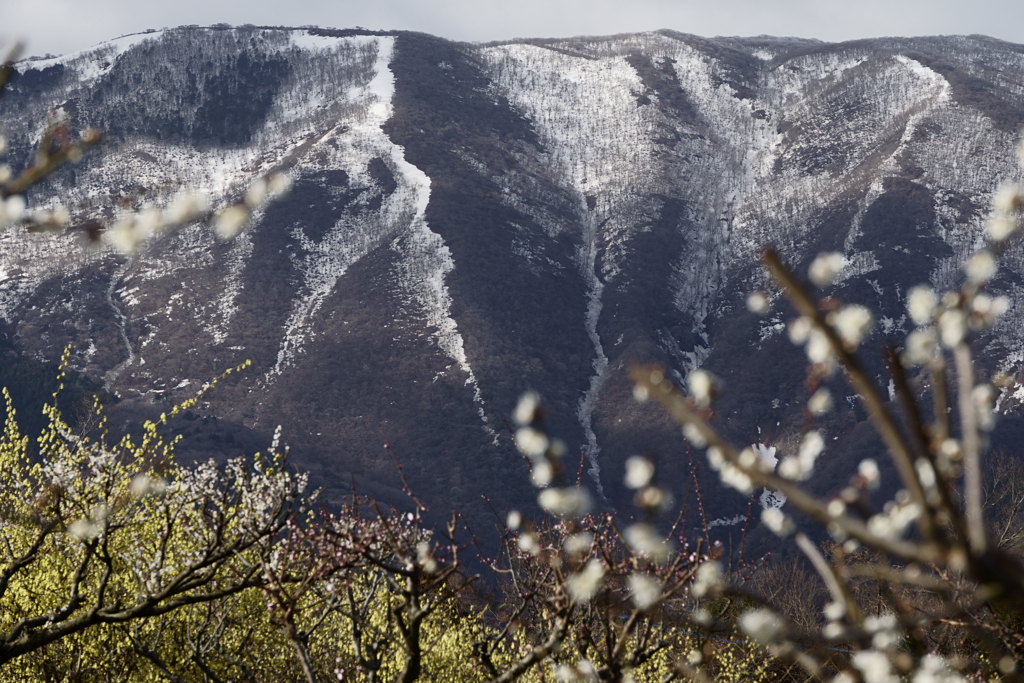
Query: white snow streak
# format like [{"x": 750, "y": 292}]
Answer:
[
  {"x": 425, "y": 259},
  {"x": 122, "y": 324}
]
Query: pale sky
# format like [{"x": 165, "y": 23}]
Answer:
[{"x": 63, "y": 26}]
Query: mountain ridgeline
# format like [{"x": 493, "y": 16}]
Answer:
[{"x": 467, "y": 222}]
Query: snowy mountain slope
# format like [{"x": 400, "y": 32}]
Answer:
[{"x": 469, "y": 221}]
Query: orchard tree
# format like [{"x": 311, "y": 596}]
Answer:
[{"x": 95, "y": 533}]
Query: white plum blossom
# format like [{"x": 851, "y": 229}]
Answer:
[
  {"x": 701, "y": 616},
  {"x": 730, "y": 474},
  {"x": 760, "y": 624},
  {"x": 921, "y": 346},
  {"x": 852, "y": 323},
  {"x": 819, "y": 348},
  {"x": 1007, "y": 664},
  {"x": 702, "y": 387},
  {"x": 565, "y": 502},
  {"x": 187, "y": 207},
  {"x": 694, "y": 435},
  {"x": 514, "y": 519},
  {"x": 84, "y": 530},
  {"x": 733, "y": 476},
  {"x": 981, "y": 267},
  {"x": 51, "y": 219},
  {"x": 708, "y": 577},
  {"x": 532, "y": 442},
  {"x": 834, "y": 611},
  {"x": 639, "y": 471},
  {"x": 799, "y": 330},
  {"x": 579, "y": 543},
  {"x": 820, "y": 402},
  {"x": 757, "y": 302},
  {"x": 262, "y": 189},
  {"x": 934, "y": 669},
  {"x": 256, "y": 194},
  {"x": 148, "y": 222},
  {"x": 836, "y": 507},
  {"x": 833, "y": 631},
  {"x": 646, "y": 542},
  {"x": 790, "y": 468},
  {"x": 425, "y": 557},
  {"x": 826, "y": 268},
  {"x": 11, "y": 209},
  {"x": 123, "y": 236},
  {"x": 1001, "y": 227},
  {"x": 874, "y": 666},
  {"x": 891, "y": 523},
  {"x": 952, "y": 327},
  {"x": 231, "y": 220},
  {"x": 278, "y": 184},
  {"x": 950, "y": 448},
  {"x": 884, "y": 629},
  {"x": 139, "y": 485},
  {"x": 654, "y": 498},
  {"x": 529, "y": 543},
  {"x": 800, "y": 466},
  {"x": 983, "y": 396},
  {"x": 715, "y": 458},
  {"x": 868, "y": 470},
  {"x": 143, "y": 484},
  {"x": 921, "y": 303},
  {"x": 566, "y": 674},
  {"x": 778, "y": 521},
  {"x": 526, "y": 409},
  {"x": 583, "y": 672},
  {"x": 1008, "y": 198},
  {"x": 925, "y": 473},
  {"x": 542, "y": 473},
  {"x": 646, "y": 590},
  {"x": 748, "y": 459},
  {"x": 584, "y": 584},
  {"x": 986, "y": 310}
]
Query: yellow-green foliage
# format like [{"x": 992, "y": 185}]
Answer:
[
  {"x": 95, "y": 537},
  {"x": 88, "y": 527}
]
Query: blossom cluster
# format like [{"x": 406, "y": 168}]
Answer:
[
  {"x": 582, "y": 547},
  {"x": 134, "y": 227},
  {"x": 546, "y": 462}
]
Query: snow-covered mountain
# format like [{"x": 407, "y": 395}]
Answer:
[{"x": 469, "y": 221}]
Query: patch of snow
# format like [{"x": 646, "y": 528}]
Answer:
[
  {"x": 726, "y": 521},
  {"x": 305, "y": 40},
  {"x": 86, "y": 61},
  {"x": 768, "y": 455}
]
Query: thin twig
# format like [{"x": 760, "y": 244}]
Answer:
[
  {"x": 866, "y": 390},
  {"x": 971, "y": 446}
]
